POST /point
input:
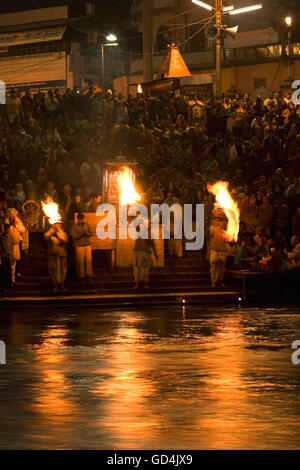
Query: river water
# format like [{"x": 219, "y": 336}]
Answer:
[{"x": 155, "y": 378}]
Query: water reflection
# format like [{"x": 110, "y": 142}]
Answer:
[{"x": 199, "y": 378}]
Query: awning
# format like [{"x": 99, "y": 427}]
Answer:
[
  {"x": 30, "y": 37},
  {"x": 44, "y": 85}
]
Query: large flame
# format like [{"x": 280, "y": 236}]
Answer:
[
  {"x": 139, "y": 88},
  {"x": 225, "y": 202},
  {"x": 50, "y": 209},
  {"x": 128, "y": 194}
]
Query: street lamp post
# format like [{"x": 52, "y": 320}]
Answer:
[
  {"x": 147, "y": 41},
  {"x": 288, "y": 21},
  {"x": 102, "y": 68},
  {"x": 221, "y": 10},
  {"x": 111, "y": 41}
]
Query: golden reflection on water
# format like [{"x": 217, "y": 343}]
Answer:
[
  {"x": 225, "y": 365},
  {"x": 132, "y": 389},
  {"x": 52, "y": 401},
  {"x": 136, "y": 381}
]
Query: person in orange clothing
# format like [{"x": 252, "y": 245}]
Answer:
[
  {"x": 219, "y": 248},
  {"x": 57, "y": 255}
]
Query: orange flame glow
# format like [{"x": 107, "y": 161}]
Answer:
[
  {"x": 128, "y": 194},
  {"x": 50, "y": 209},
  {"x": 139, "y": 88},
  {"x": 225, "y": 202}
]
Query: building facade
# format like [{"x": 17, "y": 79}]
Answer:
[
  {"x": 49, "y": 47},
  {"x": 257, "y": 57}
]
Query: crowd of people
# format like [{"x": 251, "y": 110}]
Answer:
[{"x": 54, "y": 144}]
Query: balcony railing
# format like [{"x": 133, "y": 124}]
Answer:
[
  {"x": 258, "y": 54},
  {"x": 238, "y": 56}
]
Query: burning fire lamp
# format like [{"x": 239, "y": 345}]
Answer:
[
  {"x": 230, "y": 208},
  {"x": 119, "y": 190},
  {"x": 127, "y": 192},
  {"x": 51, "y": 211},
  {"x": 119, "y": 182},
  {"x": 139, "y": 89}
]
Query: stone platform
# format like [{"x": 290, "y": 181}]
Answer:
[{"x": 122, "y": 300}]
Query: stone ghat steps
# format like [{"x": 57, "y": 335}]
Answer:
[
  {"x": 190, "y": 273},
  {"x": 187, "y": 262},
  {"x": 120, "y": 274},
  {"x": 175, "y": 269},
  {"x": 170, "y": 268},
  {"x": 189, "y": 268},
  {"x": 108, "y": 286},
  {"x": 106, "y": 277},
  {"x": 119, "y": 292}
]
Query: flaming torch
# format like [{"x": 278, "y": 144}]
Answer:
[
  {"x": 50, "y": 209},
  {"x": 127, "y": 192},
  {"x": 225, "y": 202}
]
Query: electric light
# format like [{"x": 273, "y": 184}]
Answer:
[
  {"x": 288, "y": 21},
  {"x": 203, "y": 5},
  {"x": 229, "y": 8},
  {"x": 245, "y": 9},
  {"x": 111, "y": 38}
]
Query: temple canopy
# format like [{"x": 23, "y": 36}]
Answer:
[{"x": 173, "y": 64}]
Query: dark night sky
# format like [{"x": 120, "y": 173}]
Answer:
[{"x": 112, "y": 11}]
